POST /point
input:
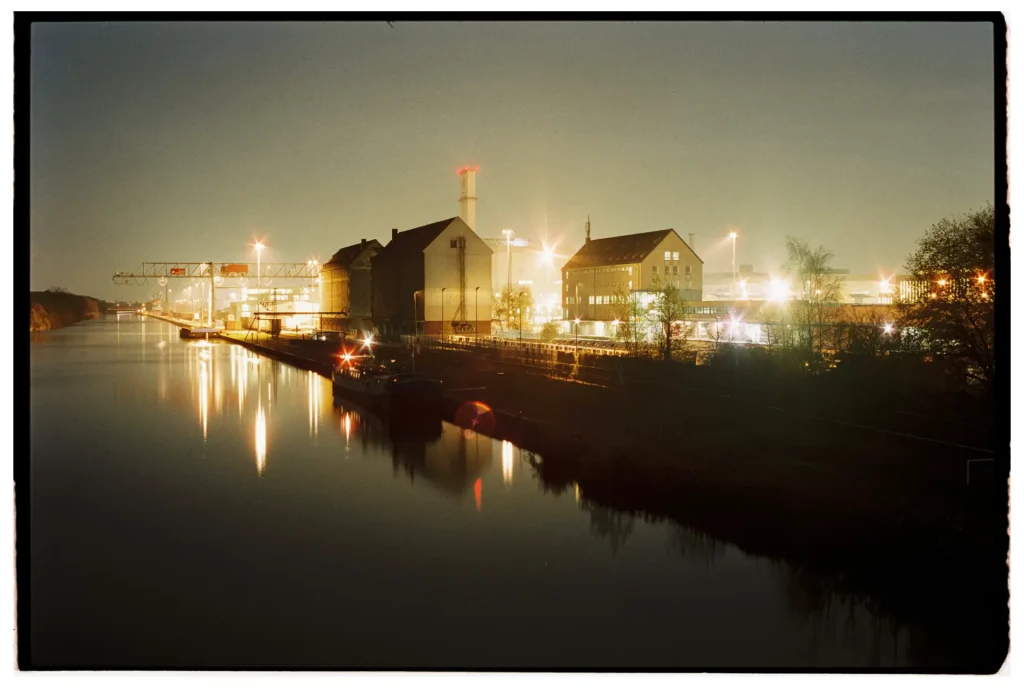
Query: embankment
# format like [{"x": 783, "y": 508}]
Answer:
[{"x": 54, "y": 309}]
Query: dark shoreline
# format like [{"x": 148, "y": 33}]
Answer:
[
  {"x": 49, "y": 310},
  {"x": 905, "y": 564}
]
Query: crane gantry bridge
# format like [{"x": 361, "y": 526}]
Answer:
[{"x": 216, "y": 273}]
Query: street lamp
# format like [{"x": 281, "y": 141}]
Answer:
[
  {"x": 732, "y": 236},
  {"x": 508, "y": 255},
  {"x": 259, "y": 283},
  {"x": 442, "y": 314},
  {"x": 577, "y": 346},
  {"x": 476, "y": 320}
]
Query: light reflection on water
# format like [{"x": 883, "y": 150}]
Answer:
[{"x": 439, "y": 542}]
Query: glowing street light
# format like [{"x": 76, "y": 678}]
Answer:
[
  {"x": 887, "y": 328},
  {"x": 259, "y": 283},
  {"x": 732, "y": 236}
]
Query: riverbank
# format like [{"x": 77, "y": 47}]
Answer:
[
  {"x": 882, "y": 512},
  {"x": 55, "y": 309}
]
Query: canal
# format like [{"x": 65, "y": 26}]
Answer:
[{"x": 195, "y": 506}]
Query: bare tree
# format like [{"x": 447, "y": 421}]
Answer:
[
  {"x": 633, "y": 319},
  {"x": 820, "y": 289},
  {"x": 668, "y": 311},
  {"x": 513, "y": 305}
]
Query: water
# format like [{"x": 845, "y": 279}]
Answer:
[{"x": 196, "y": 506}]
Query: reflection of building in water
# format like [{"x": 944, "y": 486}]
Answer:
[
  {"x": 446, "y": 455},
  {"x": 458, "y": 459}
]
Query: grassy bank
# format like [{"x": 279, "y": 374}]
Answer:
[{"x": 54, "y": 309}]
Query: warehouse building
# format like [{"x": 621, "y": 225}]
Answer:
[
  {"x": 345, "y": 288},
  {"x": 434, "y": 279},
  {"x": 605, "y": 269}
]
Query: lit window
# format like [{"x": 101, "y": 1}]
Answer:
[
  {"x": 675, "y": 256},
  {"x": 631, "y": 271},
  {"x": 591, "y": 300},
  {"x": 631, "y": 285},
  {"x": 668, "y": 255},
  {"x": 567, "y": 276}
]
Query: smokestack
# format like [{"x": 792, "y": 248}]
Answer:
[
  {"x": 362, "y": 242},
  {"x": 467, "y": 201},
  {"x": 394, "y": 233},
  {"x": 588, "y": 228},
  {"x": 691, "y": 242}
]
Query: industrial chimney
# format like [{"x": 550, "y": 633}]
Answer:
[
  {"x": 692, "y": 238},
  {"x": 394, "y": 233},
  {"x": 588, "y": 228},
  {"x": 467, "y": 201}
]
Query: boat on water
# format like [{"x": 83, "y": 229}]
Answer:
[
  {"x": 386, "y": 386},
  {"x": 198, "y": 332}
]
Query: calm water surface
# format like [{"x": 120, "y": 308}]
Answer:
[{"x": 194, "y": 505}]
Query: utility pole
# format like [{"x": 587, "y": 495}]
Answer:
[
  {"x": 212, "y": 321},
  {"x": 732, "y": 292},
  {"x": 508, "y": 255},
  {"x": 476, "y": 320}
]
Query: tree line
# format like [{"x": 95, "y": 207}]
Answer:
[{"x": 947, "y": 316}]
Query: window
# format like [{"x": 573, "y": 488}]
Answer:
[
  {"x": 686, "y": 270},
  {"x": 675, "y": 256},
  {"x": 631, "y": 285},
  {"x": 668, "y": 255},
  {"x": 675, "y": 270},
  {"x": 631, "y": 271},
  {"x": 654, "y": 269},
  {"x": 591, "y": 300},
  {"x": 666, "y": 270},
  {"x": 567, "y": 276}
]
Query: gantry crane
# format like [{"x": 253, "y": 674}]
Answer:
[{"x": 216, "y": 273}]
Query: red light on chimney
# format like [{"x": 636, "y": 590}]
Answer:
[{"x": 467, "y": 168}]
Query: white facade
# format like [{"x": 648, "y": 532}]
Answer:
[{"x": 441, "y": 273}]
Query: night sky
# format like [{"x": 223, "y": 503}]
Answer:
[{"x": 184, "y": 142}]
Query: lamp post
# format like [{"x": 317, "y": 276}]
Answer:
[
  {"x": 577, "y": 347},
  {"x": 442, "y": 314},
  {"x": 732, "y": 236},
  {"x": 476, "y": 320},
  {"x": 259, "y": 283},
  {"x": 508, "y": 255},
  {"x": 414, "y": 328}
]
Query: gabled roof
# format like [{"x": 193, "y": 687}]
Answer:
[
  {"x": 347, "y": 255},
  {"x": 415, "y": 240},
  {"x": 623, "y": 249}
]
